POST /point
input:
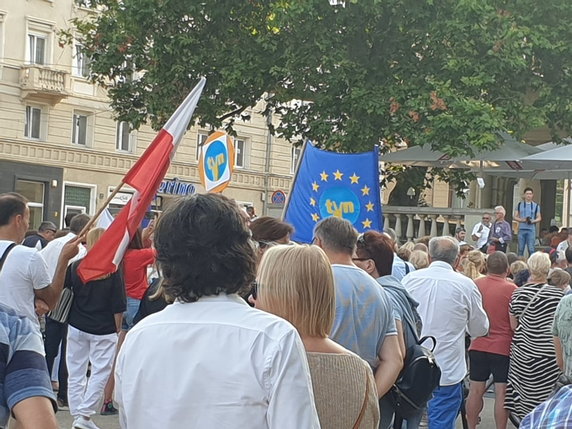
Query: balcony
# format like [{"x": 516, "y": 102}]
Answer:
[{"x": 44, "y": 84}]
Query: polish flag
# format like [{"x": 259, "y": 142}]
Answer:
[{"x": 145, "y": 177}]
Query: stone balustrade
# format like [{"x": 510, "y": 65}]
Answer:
[
  {"x": 411, "y": 223},
  {"x": 44, "y": 83}
]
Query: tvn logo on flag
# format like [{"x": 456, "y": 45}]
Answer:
[
  {"x": 216, "y": 162},
  {"x": 334, "y": 184}
]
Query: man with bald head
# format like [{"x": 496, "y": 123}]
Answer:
[
  {"x": 449, "y": 305},
  {"x": 490, "y": 354}
]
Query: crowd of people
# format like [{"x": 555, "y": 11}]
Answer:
[{"x": 241, "y": 327}]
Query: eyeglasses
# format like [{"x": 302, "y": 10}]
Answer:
[{"x": 361, "y": 259}]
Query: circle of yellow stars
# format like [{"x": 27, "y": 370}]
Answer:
[{"x": 338, "y": 175}]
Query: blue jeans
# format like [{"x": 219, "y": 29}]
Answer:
[
  {"x": 444, "y": 407},
  {"x": 129, "y": 315},
  {"x": 526, "y": 238}
]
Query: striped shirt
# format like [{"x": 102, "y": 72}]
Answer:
[
  {"x": 23, "y": 370},
  {"x": 556, "y": 413}
]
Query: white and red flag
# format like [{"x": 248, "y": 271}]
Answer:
[{"x": 145, "y": 177}]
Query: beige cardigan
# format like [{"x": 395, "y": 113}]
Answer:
[{"x": 339, "y": 382}]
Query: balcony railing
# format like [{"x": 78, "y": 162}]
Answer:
[
  {"x": 411, "y": 223},
  {"x": 40, "y": 82}
]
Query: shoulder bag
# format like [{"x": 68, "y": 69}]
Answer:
[
  {"x": 5, "y": 255},
  {"x": 61, "y": 311}
]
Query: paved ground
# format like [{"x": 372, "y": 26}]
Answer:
[{"x": 112, "y": 422}]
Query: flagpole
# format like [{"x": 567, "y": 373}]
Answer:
[
  {"x": 101, "y": 209},
  {"x": 285, "y": 209}
]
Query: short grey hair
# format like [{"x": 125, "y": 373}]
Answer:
[
  {"x": 337, "y": 234},
  {"x": 444, "y": 249},
  {"x": 500, "y": 209}
]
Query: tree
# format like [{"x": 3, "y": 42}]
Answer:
[{"x": 448, "y": 74}]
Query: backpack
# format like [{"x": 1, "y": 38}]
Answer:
[{"x": 418, "y": 379}]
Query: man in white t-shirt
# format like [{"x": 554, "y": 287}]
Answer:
[
  {"x": 481, "y": 231},
  {"x": 24, "y": 278}
]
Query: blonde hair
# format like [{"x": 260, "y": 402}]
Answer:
[
  {"x": 297, "y": 283},
  {"x": 93, "y": 237},
  {"x": 474, "y": 264},
  {"x": 539, "y": 264},
  {"x": 419, "y": 259},
  {"x": 517, "y": 266},
  {"x": 404, "y": 252}
]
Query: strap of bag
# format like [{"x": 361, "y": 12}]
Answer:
[
  {"x": 5, "y": 255},
  {"x": 531, "y": 301},
  {"x": 406, "y": 267},
  {"x": 364, "y": 405}
]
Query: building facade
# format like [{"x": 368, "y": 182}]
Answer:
[{"x": 61, "y": 147}]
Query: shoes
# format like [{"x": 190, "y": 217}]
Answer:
[
  {"x": 63, "y": 404},
  {"x": 108, "y": 409},
  {"x": 83, "y": 423}
]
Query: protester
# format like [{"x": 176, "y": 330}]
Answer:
[
  {"x": 56, "y": 332},
  {"x": 296, "y": 283},
  {"x": 555, "y": 413},
  {"x": 512, "y": 257},
  {"x": 516, "y": 267},
  {"x": 481, "y": 232},
  {"x": 419, "y": 259},
  {"x": 558, "y": 237},
  {"x": 522, "y": 277},
  {"x": 364, "y": 320},
  {"x": 450, "y": 305},
  {"x": 25, "y": 390},
  {"x": 374, "y": 254},
  {"x": 565, "y": 244},
  {"x": 400, "y": 267},
  {"x": 250, "y": 210},
  {"x": 501, "y": 232},
  {"x": 25, "y": 284},
  {"x": 490, "y": 354},
  {"x": 460, "y": 235},
  {"x": 568, "y": 269},
  {"x": 562, "y": 325},
  {"x": 474, "y": 265},
  {"x": 533, "y": 370},
  {"x": 45, "y": 234},
  {"x": 421, "y": 246},
  {"x": 404, "y": 252},
  {"x": 527, "y": 214},
  {"x": 209, "y": 359},
  {"x": 94, "y": 323},
  {"x": 267, "y": 230},
  {"x": 557, "y": 259}
]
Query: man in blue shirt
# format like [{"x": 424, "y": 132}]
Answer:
[
  {"x": 25, "y": 388},
  {"x": 364, "y": 320},
  {"x": 527, "y": 214}
]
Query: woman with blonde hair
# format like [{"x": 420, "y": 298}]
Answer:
[
  {"x": 94, "y": 323},
  {"x": 419, "y": 259},
  {"x": 533, "y": 369},
  {"x": 474, "y": 264},
  {"x": 296, "y": 283}
]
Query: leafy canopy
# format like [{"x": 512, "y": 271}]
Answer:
[{"x": 444, "y": 73}]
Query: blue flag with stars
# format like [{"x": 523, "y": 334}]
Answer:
[{"x": 334, "y": 184}]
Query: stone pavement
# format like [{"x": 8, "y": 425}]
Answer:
[{"x": 112, "y": 422}]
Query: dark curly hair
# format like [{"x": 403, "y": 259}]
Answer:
[{"x": 204, "y": 248}]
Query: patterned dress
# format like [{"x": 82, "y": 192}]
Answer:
[{"x": 533, "y": 370}]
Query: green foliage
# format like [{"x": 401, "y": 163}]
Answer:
[{"x": 443, "y": 73}]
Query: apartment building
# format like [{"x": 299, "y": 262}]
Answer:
[{"x": 61, "y": 147}]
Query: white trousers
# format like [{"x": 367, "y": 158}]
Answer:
[{"x": 84, "y": 395}]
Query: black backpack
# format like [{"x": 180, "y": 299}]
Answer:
[{"x": 418, "y": 379}]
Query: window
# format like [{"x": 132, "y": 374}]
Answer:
[
  {"x": 33, "y": 124},
  {"x": 201, "y": 139},
  {"x": 239, "y": 153},
  {"x": 37, "y": 49},
  {"x": 34, "y": 192},
  {"x": 295, "y": 158},
  {"x": 123, "y": 137},
  {"x": 79, "y": 131},
  {"x": 81, "y": 62}
]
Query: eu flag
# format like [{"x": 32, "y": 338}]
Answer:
[{"x": 334, "y": 184}]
